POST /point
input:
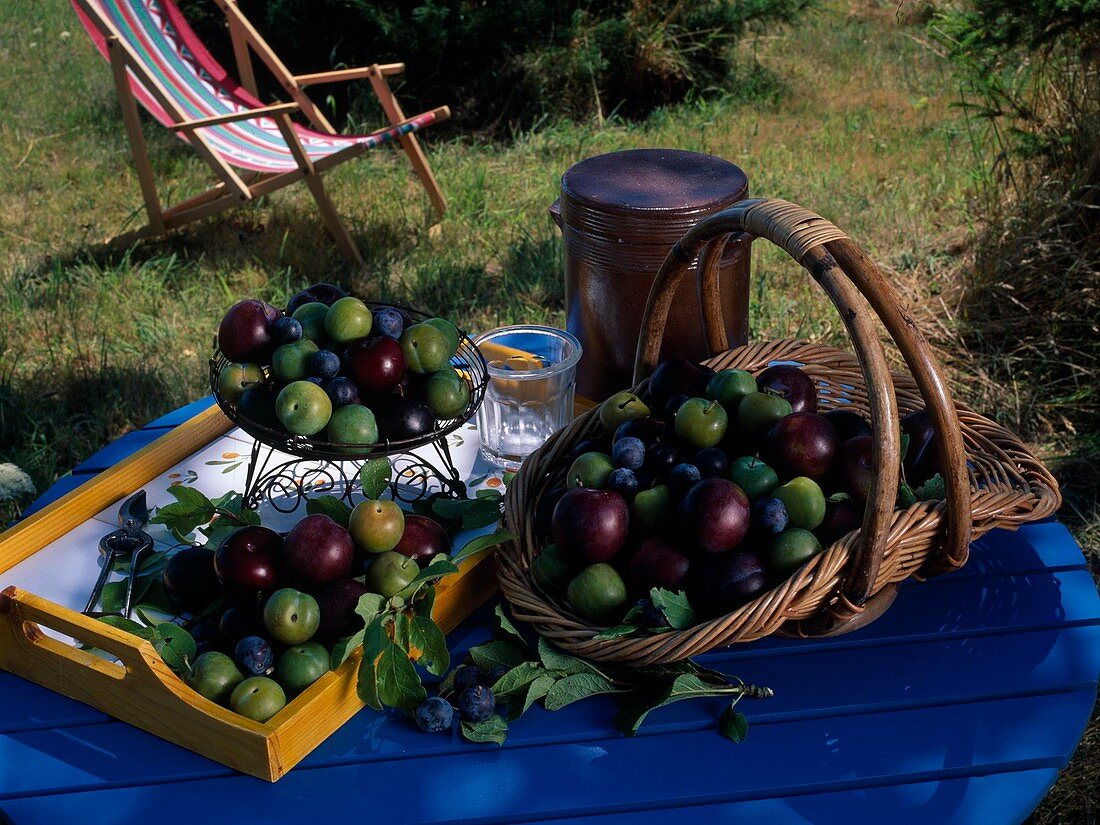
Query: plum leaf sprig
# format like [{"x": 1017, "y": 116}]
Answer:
[
  {"x": 527, "y": 674},
  {"x": 400, "y": 633},
  {"x": 192, "y": 510}
]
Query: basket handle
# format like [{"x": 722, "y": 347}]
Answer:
[{"x": 845, "y": 274}]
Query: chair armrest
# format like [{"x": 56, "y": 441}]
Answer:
[
  {"x": 343, "y": 75},
  {"x": 232, "y": 117}
]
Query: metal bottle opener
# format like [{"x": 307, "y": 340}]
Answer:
[{"x": 131, "y": 539}]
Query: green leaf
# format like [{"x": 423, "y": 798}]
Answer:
[
  {"x": 685, "y": 686},
  {"x": 375, "y": 476},
  {"x": 476, "y": 545},
  {"x": 191, "y": 509},
  {"x": 398, "y": 683},
  {"x": 906, "y": 497},
  {"x": 375, "y": 641},
  {"x": 175, "y": 645},
  {"x": 505, "y": 630},
  {"x": 143, "y": 616},
  {"x": 617, "y": 632},
  {"x": 437, "y": 569},
  {"x": 482, "y": 513},
  {"x": 674, "y": 606},
  {"x": 345, "y": 647},
  {"x": 496, "y": 654},
  {"x": 839, "y": 497},
  {"x": 520, "y": 702},
  {"x": 426, "y": 635},
  {"x": 733, "y": 725},
  {"x": 473, "y": 513},
  {"x": 934, "y": 489},
  {"x": 330, "y": 506},
  {"x": 401, "y": 623},
  {"x": 493, "y": 729},
  {"x": 565, "y": 664},
  {"x": 576, "y": 687},
  {"x": 904, "y": 445},
  {"x": 156, "y": 598},
  {"x": 130, "y": 626},
  {"x": 517, "y": 678},
  {"x": 488, "y": 494},
  {"x": 451, "y": 508},
  {"x": 370, "y": 605}
]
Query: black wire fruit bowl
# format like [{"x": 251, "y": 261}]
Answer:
[{"x": 467, "y": 361}]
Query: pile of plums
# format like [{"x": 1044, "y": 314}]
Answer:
[
  {"x": 720, "y": 485},
  {"x": 290, "y": 599},
  {"x": 333, "y": 368}
]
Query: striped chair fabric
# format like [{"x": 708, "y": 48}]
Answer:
[{"x": 199, "y": 87}]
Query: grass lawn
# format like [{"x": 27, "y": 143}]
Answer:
[{"x": 851, "y": 115}]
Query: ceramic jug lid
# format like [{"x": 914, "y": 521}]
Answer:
[{"x": 609, "y": 193}]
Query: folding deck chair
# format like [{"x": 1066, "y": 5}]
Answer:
[{"x": 159, "y": 62}]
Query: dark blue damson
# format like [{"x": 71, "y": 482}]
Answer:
[{"x": 434, "y": 715}]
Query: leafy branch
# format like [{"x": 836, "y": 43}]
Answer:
[{"x": 545, "y": 674}]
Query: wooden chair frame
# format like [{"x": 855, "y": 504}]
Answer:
[{"x": 232, "y": 189}]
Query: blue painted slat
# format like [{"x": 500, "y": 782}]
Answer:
[
  {"x": 178, "y": 416},
  {"x": 1012, "y": 604},
  {"x": 63, "y": 485},
  {"x": 998, "y": 798},
  {"x": 1033, "y": 547},
  {"x": 892, "y": 679},
  {"x": 493, "y": 785},
  {"x": 976, "y": 799},
  {"x": 117, "y": 450}
]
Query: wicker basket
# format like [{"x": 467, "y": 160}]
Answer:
[{"x": 991, "y": 479}]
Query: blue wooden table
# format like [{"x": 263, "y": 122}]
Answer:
[{"x": 960, "y": 705}]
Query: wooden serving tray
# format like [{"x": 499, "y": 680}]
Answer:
[{"x": 140, "y": 688}]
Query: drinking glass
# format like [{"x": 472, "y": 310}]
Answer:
[{"x": 532, "y": 375}]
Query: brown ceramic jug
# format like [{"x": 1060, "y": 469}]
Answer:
[{"x": 620, "y": 214}]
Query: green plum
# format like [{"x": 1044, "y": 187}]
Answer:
[
  {"x": 236, "y": 379},
  {"x": 390, "y": 573},
  {"x": 300, "y": 666},
  {"x": 551, "y": 569},
  {"x": 753, "y": 476},
  {"x": 257, "y": 698},
  {"x": 291, "y": 617},
  {"x": 622, "y": 406},
  {"x": 759, "y": 411},
  {"x": 425, "y": 349},
  {"x": 701, "y": 422},
  {"x": 450, "y": 334},
  {"x": 347, "y": 320},
  {"x": 312, "y": 318},
  {"x": 214, "y": 675},
  {"x": 303, "y": 408},
  {"x": 591, "y": 470},
  {"x": 651, "y": 511},
  {"x": 788, "y": 551},
  {"x": 728, "y": 387},
  {"x": 597, "y": 592},
  {"x": 446, "y": 393},
  {"x": 290, "y": 361},
  {"x": 352, "y": 424},
  {"x": 804, "y": 501},
  {"x": 376, "y": 525}
]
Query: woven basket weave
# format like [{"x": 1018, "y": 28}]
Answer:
[{"x": 991, "y": 479}]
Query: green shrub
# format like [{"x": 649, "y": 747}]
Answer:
[{"x": 503, "y": 64}]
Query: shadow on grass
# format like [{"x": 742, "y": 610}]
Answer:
[{"x": 49, "y": 424}]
